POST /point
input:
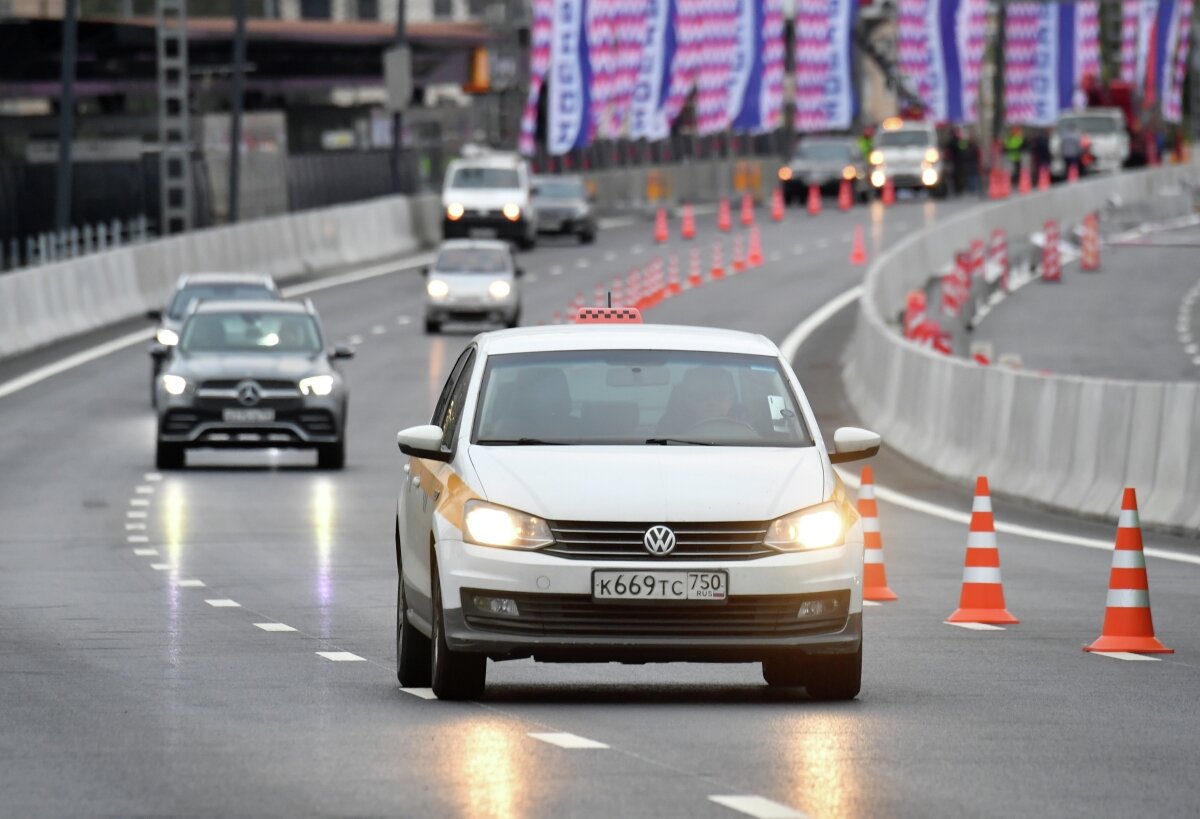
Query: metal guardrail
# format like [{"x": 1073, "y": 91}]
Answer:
[{"x": 78, "y": 241}]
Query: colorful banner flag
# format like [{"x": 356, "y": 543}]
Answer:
[
  {"x": 1163, "y": 36},
  {"x": 756, "y": 104},
  {"x": 940, "y": 51},
  {"x": 648, "y": 118},
  {"x": 569, "y": 105},
  {"x": 825, "y": 98},
  {"x": 1172, "y": 103},
  {"x": 1050, "y": 49},
  {"x": 1131, "y": 15},
  {"x": 539, "y": 64}
]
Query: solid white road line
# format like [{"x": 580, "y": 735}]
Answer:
[
  {"x": 758, "y": 806},
  {"x": 790, "y": 348},
  {"x": 1125, "y": 655},
  {"x": 362, "y": 275},
  {"x": 145, "y": 552},
  {"x": 274, "y": 626},
  {"x": 423, "y": 693},
  {"x": 977, "y": 626},
  {"x": 341, "y": 656},
  {"x": 223, "y": 603},
  {"x": 571, "y": 741},
  {"x": 190, "y": 584}
]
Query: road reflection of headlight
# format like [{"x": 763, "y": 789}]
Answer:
[
  {"x": 317, "y": 385},
  {"x": 166, "y": 337},
  {"x": 499, "y": 289},
  {"x": 437, "y": 289},
  {"x": 174, "y": 384}
]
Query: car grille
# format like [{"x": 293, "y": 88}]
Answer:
[
  {"x": 604, "y": 540},
  {"x": 231, "y": 384},
  {"x": 772, "y": 615}
]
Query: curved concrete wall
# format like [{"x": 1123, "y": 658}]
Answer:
[{"x": 1061, "y": 441}]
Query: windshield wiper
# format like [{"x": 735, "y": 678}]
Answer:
[
  {"x": 678, "y": 442},
  {"x": 519, "y": 442}
]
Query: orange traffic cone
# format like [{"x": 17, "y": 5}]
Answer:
[
  {"x": 1024, "y": 182},
  {"x": 688, "y": 227},
  {"x": 1128, "y": 625},
  {"x": 660, "y": 226},
  {"x": 982, "y": 599},
  {"x": 875, "y": 585},
  {"x": 754, "y": 257},
  {"x": 673, "y": 286},
  {"x": 737, "y": 260},
  {"x": 889, "y": 192},
  {"x": 1044, "y": 178},
  {"x": 694, "y": 277},
  {"x": 747, "y": 210},
  {"x": 718, "y": 263},
  {"x": 845, "y": 197},
  {"x": 1073, "y": 172},
  {"x": 777, "y": 205},
  {"x": 723, "y": 220},
  {"x": 814, "y": 200},
  {"x": 858, "y": 252}
]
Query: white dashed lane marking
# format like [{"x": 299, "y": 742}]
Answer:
[
  {"x": 341, "y": 656},
  {"x": 274, "y": 626},
  {"x": 1125, "y": 655},
  {"x": 145, "y": 552},
  {"x": 758, "y": 806},
  {"x": 152, "y": 476},
  {"x": 223, "y": 603},
  {"x": 137, "y": 538},
  {"x": 136, "y": 514},
  {"x": 609, "y": 256},
  {"x": 138, "y": 502},
  {"x": 355, "y": 340},
  {"x": 977, "y": 626},
  {"x": 145, "y": 490},
  {"x": 871, "y": 603},
  {"x": 571, "y": 741},
  {"x": 190, "y": 584},
  {"x": 556, "y": 270},
  {"x": 135, "y": 527},
  {"x": 423, "y": 693},
  {"x": 581, "y": 263},
  {"x": 161, "y": 567},
  {"x": 378, "y": 330}
]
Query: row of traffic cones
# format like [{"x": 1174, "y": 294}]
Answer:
[{"x": 1128, "y": 624}]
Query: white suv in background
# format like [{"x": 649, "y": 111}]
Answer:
[
  {"x": 489, "y": 196},
  {"x": 1104, "y": 128}
]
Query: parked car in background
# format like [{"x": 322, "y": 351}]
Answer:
[
  {"x": 472, "y": 280},
  {"x": 563, "y": 206},
  {"x": 489, "y": 196},
  {"x": 908, "y": 154},
  {"x": 1104, "y": 135},
  {"x": 202, "y": 287},
  {"x": 824, "y": 161}
]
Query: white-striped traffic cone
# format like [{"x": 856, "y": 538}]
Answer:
[
  {"x": 982, "y": 599},
  {"x": 875, "y": 585}
]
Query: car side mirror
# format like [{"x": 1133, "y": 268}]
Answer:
[
  {"x": 854, "y": 444},
  {"x": 342, "y": 351},
  {"x": 422, "y": 442},
  {"x": 159, "y": 351},
  {"x": 154, "y": 315}
]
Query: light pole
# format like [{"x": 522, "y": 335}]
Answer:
[{"x": 66, "y": 115}]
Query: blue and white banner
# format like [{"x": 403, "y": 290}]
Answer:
[
  {"x": 648, "y": 115},
  {"x": 569, "y": 80},
  {"x": 940, "y": 48},
  {"x": 743, "y": 111},
  {"x": 1051, "y": 48},
  {"x": 825, "y": 99},
  {"x": 1162, "y": 38}
]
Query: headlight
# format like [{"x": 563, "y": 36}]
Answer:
[
  {"x": 817, "y": 527},
  {"x": 929, "y": 177},
  {"x": 437, "y": 289},
  {"x": 511, "y": 212},
  {"x": 174, "y": 384},
  {"x": 317, "y": 385},
  {"x": 875, "y": 157},
  {"x": 785, "y": 174},
  {"x": 932, "y": 155},
  {"x": 878, "y": 178},
  {"x": 849, "y": 172},
  {"x": 489, "y": 525},
  {"x": 454, "y": 211},
  {"x": 166, "y": 337},
  {"x": 499, "y": 289}
]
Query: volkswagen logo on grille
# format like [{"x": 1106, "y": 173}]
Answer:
[
  {"x": 659, "y": 540},
  {"x": 248, "y": 394}
]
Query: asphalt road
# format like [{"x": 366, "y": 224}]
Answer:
[{"x": 128, "y": 689}]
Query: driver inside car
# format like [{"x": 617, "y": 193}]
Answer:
[{"x": 703, "y": 394}]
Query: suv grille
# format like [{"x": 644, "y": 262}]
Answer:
[
  {"x": 606, "y": 540},
  {"x": 745, "y": 616},
  {"x": 231, "y": 384}
]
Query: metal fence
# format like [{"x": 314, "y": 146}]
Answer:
[{"x": 55, "y": 246}]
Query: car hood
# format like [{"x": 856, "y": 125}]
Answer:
[
  {"x": 907, "y": 154},
  {"x": 204, "y": 366},
  {"x": 490, "y": 198},
  {"x": 652, "y": 483},
  {"x": 562, "y": 203},
  {"x": 831, "y": 165}
]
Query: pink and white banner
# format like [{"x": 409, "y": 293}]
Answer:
[
  {"x": 539, "y": 64},
  {"x": 825, "y": 97},
  {"x": 940, "y": 52},
  {"x": 1051, "y": 49},
  {"x": 1172, "y": 98}
]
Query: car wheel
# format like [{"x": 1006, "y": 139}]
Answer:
[
  {"x": 332, "y": 456},
  {"x": 168, "y": 456},
  {"x": 587, "y": 237},
  {"x": 456, "y": 675},
  {"x": 835, "y": 676},
  {"x": 414, "y": 655},
  {"x": 784, "y": 670},
  {"x": 432, "y": 326},
  {"x": 527, "y": 242}
]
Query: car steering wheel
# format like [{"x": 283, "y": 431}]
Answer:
[{"x": 717, "y": 420}]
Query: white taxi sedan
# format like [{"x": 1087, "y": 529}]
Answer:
[{"x": 632, "y": 493}]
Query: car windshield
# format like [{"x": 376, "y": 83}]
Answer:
[
  {"x": 823, "y": 150},
  {"x": 903, "y": 139},
  {"x": 1090, "y": 125},
  {"x": 274, "y": 333},
  {"x": 472, "y": 260},
  {"x": 485, "y": 178},
  {"x": 558, "y": 188},
  {"x": 217, "y": 292},
  {"x": 645, "y": 397}
]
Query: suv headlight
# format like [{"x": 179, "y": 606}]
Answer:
[
  {"x": 437, "y": 289},
  {"x": 166, "y": 337},
  {"x": 512, "y": 212},
  {"x": 499, "y": 289},
  {"x": 317, "y": 385},
  {"x": 489, "y": 525},
  {"x": 454, "y": 211},
  {"x": 818, "y": 527},
  {"x": 174, "y": 384},
  {"x": 875, "y": 157}
]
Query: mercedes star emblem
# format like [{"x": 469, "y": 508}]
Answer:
[{"x": 248, "y": 394}]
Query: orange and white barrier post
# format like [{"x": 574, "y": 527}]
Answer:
[
  {"x": 1044, "y": 178},
  {"x": 914, "y": 312},
  {"x": 718, "y": 262},
  {"x": 747, "y": 210},
  {"x": 618, "y": 292},
  {"x": 661, "y": 233},
  {"x": 1128, "y": 625},
  {"x": 875, "y": 585},
  {"x": 1051, "y": 260},
  {"x": 754, "y": 257},
  {"x": 723, "y": 219},
  {"x": 982, "y": 599},
  {"x": 814, "y": 200},
  {"x": 687, "y": 228},
  {"x": 738, "y": 261},
  {"x": 1089, "y": 245},
  {"x": 845, "y": 195},
  {"x": 889, "y": 192},
  {"x": 599, "y": 299},
  {"x": 998, "y": 255},
  {"x": 858, "y": 250},
  {"x": 777, "y": 209},
  {"x": 695, "y": 279},
  {"x": 673, "y": 286}
]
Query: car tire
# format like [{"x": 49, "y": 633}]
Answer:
[
  {"x": 785, "y": 670},
  {"x": 587, "y": 237},
  {"x": 456, "y": 675},
  {"x": 835, "y": 676},
  {"x": 432, "y": 326},
  {"x": 527, "y": 242},
  {"x": 332, "y": 456},
  {"x": 169, "y": 456},
  {"x": 414, "y": 652}
]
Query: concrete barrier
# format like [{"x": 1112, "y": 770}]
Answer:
[{"x": 1060, "y": 441}]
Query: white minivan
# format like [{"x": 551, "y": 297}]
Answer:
[{"x": 489, "y": 196}]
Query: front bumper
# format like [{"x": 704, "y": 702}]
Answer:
[
  {"x": 491, "y": 226},
  {"x": 467, "y": 309},
  {"x": 561, "y": 622},
  {"x": 910, "y": 176},
  {"x": 298, "y": 423}
]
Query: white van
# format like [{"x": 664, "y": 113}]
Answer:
[{"x": 489, "y": 196}]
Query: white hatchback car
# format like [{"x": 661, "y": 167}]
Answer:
[{"x": 631, "y": 493}]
